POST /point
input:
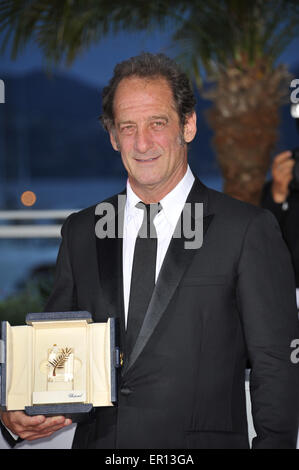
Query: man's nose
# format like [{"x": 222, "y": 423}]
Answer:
[{"x": 143, "y": 141}]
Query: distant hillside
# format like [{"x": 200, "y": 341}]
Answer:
[{"x": 49, "y": 128}]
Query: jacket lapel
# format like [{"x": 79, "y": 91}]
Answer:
[
  {"x": 109, "y": 254},
  {"x": 176, "y": 261}
]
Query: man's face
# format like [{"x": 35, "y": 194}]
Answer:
[{"x": 148, "y": 134}]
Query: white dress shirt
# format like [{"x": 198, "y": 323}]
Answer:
[{"x": 165, "y": 223}]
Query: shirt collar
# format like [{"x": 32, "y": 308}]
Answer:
[
  {"x": 132, "y": 200},
  {"x": 172, "y": 204}
]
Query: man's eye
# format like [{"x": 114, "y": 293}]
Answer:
[
  {"x": 158, "y": 124},
  {"x": 127, "y": 129}
]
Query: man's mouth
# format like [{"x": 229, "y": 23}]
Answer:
[{"x": 145, "y": 160}]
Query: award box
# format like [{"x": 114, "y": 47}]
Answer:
[{"x": 59, "y": 363}]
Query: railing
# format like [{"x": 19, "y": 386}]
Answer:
[{"x": 10, "y": 230}]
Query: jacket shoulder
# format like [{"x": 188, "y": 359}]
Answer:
[
  {"x": 232, "y": 207},
  {"x": 238, "y": 216},
  {"x": 86, "y": 217}
]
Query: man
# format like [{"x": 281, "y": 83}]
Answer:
[
  {"x": 212, "y": 308},
  {"x": 281, "y": 197}
]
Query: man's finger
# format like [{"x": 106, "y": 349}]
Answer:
[
  {"x": 289, "y": 163},
  {"x": 24, "y": 420},
  {"x": 47, "y": 424},
  {"x": 53, "y": 424},
  {"x": 20, "y": 423},
  {"x": 282, "y": 156},
  {"x": 46, "y": 429},
  {"x": 13, "y": 419}
]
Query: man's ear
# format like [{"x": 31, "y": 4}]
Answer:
[
  {"x": 113, "y": 139},
  {"x": 190, "y": 128}
]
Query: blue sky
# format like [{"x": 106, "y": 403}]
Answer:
[{"x": 95, "y": 65}]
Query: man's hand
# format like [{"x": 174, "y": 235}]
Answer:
[
  {"x": 32, "y": 427},
  {"x": 282, "y": 175}
]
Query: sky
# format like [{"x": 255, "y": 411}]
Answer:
[{"x": 95, "y": 65}]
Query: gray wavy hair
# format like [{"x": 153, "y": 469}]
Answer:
[{"x": 147, "y": 65}]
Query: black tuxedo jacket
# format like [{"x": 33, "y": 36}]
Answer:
[{"x": 213, "y": 309}]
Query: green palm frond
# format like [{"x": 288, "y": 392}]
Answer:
[
  {"x": 64, "y": 28},
  {"x": 209, "y": 35},
  {"x": 237, "y": 32}
]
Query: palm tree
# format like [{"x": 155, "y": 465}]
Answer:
[
  {"x": 233, "y": 45},
  {"x": 237, "y": 44}
]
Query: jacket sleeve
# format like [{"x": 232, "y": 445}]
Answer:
[
  {"x": 11, "y": 441},
  {"x": 63, "y": 296},
  {"x": 267, "y": 304}
]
